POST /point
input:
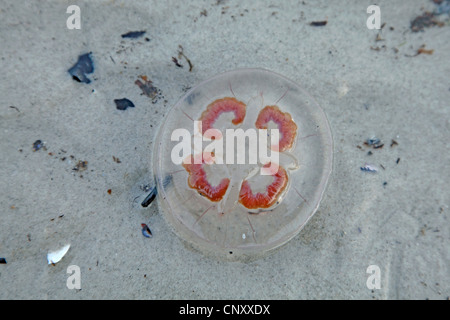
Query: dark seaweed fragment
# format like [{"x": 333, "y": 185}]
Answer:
[
  {"x": 318, "y": 23},
  {"x": 123, "y": 104},
  {"x": 175, "y": 60},
  {"x": 133, "y": 34}
]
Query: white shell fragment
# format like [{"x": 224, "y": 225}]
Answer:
[{"x": 56, "y": 256}]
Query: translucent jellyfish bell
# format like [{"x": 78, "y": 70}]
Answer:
[{"x": 229, "y": 209}]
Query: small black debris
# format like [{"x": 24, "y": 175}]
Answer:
[
  {"x": 175, "y": 60},
  {"x": 83, "y": 66},
  {"x": 80, "y": 166},
  {"x": 3, "y": 261},
  {"x": 153, "y": 191},
  {"x": 149, "y": 198},
  {"x": 133, "y": 34},
  {"x": 372, "y": 141},
  {"x": 38, "y": 144},
  {"x": 13, "y": 107},
  {"x": 117, "y": 160},
  {"x": 378, "y": 146},
  {"x": 318, "y": 23},
  {"x": 123, "y": 104}
]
